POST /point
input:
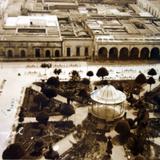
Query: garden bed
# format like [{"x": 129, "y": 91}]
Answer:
[{"x": 49, "y": 134}]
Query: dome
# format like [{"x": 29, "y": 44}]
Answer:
[{"x": 108, "y": 95}]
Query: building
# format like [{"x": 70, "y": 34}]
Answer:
[
  {"x": 152, "y": 6},
  {"x": 50, "y": 29},
  {"x": 108, "y": 103}
]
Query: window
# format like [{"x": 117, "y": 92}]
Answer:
[
  {"x": 48, "y": 53},
  {"x": 10, "y": 53},
  {"x": 78, "y": 51},
  {"x": 23, "y": 53},
  {"x": 86, "y": 51},
  {"x": 57, "y": 53},
  {"x": 37, "y": 52},
  {"x": 68, "y": 52}
]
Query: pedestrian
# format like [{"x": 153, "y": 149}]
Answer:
[{"x": 109, "y": 147}]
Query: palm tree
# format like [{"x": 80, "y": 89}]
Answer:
[
  {"x": 90, "y": 74},
  {"x": 151, "y": 81},
  {"x": 13, "y": 151},
  {"x": 102, "y": 72}
]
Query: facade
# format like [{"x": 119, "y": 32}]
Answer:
[
  {"x": 50, "y": 29},
  {"x": 108, "y": 103}
]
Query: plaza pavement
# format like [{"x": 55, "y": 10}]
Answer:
[{"x": 12, "y": 91}]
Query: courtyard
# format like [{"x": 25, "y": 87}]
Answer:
[{"x": 17, "y": 76}]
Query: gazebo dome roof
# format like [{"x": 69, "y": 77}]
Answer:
[{"x": 108, "y": 95}]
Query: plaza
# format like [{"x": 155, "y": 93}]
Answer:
[{"x": 15, "y": 77}]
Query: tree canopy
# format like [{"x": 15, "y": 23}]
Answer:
[
  {"x": 152, "y": 72},
  {"x": 50, "y": 92},
  {"x": 140, "y": 79},
  {"x": 13, "y": 151},
  {"x": 151, "y": 81},
  {"x": 67, "y": 109},
  {"x": 75, "y": 75},
  {"x": 54, "y": 81},
  {"x": 102, "y": 72},
  {"x": 123, "y": 128},
  {"x": 90, "y": 74},
  {"x": 42, "y": 117}
]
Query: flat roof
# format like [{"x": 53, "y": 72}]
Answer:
[{"x": 27, "y": 21}]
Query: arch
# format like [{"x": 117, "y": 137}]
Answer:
[
  {"x": 23, "y": 53},
  {"x": 9, "y": 53},
  {"x": 144, "y": 53},
  {"x": 47, "y": 53},
  {"x": 102, "y": 53},
  {"x": 123, "y": 53},
  {"x": 57, "y": 53},
  {"x": 155, "y": 53},
  {"x": 134, "y": 53},
  {"x": 113, "y": 53},
  {"x": 37, "y": 53}
]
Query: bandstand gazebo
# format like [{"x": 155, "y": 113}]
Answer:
[{"x": 108, "y": 103}]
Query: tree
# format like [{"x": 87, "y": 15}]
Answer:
[
  {"x": 13, "y": 151},
  {"x": 51, "y": 154},
  {"x": 75, "y": 76},
  {"x": 102, "y": 72},
  {"x": 151, "y": 81},
  {"x": 136, "y": 90},
  {"x": 123, "y": 128},
  {"x": 140, "y": 157},
  {"x": 90, "y": 74},
  {"x": 86, "y": 81},
  {"x": 152, "y": 72},
  {"x": 83, "y": 94},
  {"x": 41, "y": 100},
  {"x": 131, "y": 99},
  {"x": 50, "y": 92},
  {"x": 53, "y": 81},
  {"x": 42, "y": 118},
  {"x": 136, "y": 144},
  {"x": 45, "y": 66},
  {"x": 38, "y": 148},
  {"x": 57, "y": 71},
  {"x": 67, "y": 109},
  {"x": 69, "y": 95},
  {"x": 140, "y": 79}
]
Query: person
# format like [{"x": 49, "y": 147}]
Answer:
[{"x": 109, "y": 147}]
